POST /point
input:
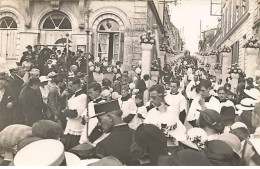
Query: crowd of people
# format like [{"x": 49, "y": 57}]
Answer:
[{"x": 53, "y": 113}]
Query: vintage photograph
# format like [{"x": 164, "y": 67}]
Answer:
[{"x": 129, "y": 83}]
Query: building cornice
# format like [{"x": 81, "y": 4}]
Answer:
[
  {"x": 157, "y": 17},
  {"x": 234, "y": 28}
]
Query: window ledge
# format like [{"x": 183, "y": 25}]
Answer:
[{"x": 234, "y": 28}]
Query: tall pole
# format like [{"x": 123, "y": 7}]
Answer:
[
  {"x": 67, "y": 80},
  {"x": 87, "y": 67}
]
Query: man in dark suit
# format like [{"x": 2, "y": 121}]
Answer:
[
  {"x": 16, "y": 85},
  {"x": 118, "y": 142},
  {"x": 5, "y": 104},
  {"x": 32, "y": 102}
]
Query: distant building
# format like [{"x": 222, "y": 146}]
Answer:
[{"x": 240, "y": 21}]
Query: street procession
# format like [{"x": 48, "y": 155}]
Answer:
[{"x": 129, "y": 83}]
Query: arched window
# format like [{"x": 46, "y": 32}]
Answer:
[
  {"x": 108, "y": 39},
  {"x": 57, "y": 22},
  {"x": 8, "y": 23}
]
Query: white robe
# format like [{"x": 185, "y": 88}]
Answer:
[{"x": 193, "y": 114}]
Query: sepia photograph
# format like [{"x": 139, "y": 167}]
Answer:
[{"x": 129, "y": 83}]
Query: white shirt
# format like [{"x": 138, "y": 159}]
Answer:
[
  {"x": 74, "y": 126},
  {"x": 192, "y": 94},
  {"x": 176, "y": 100},
  {"x": 128, "y": 107}
]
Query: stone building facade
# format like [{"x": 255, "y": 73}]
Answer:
[
  {"x": 114, "y": 26},
  {"x": 239, "y": 22}
]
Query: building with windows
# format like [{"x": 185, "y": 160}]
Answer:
[
  {"x": 114, "y": 26},
  {"x": 240, "y": 21}
]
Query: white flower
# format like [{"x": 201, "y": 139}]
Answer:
[
  {"x": 135, "y": 91},
  {"x": 105, "y": 93},
  {"x": 149, "y": 31},
  {"x": 115, "y": 70},
  {"x": 139, "y": 62},
  {"x": 90, "y": 64},
  {"x": 146, "y": 40},
  {"x": 97, "y": 59},
  {"x": 105, "y": 64},
  {"x": 144, "y": 34},
  {"x": 109, "y": 69},
  {"x": 91, "y": 68},
  {"x": 143, "y": 37},
  {"x": 97, "y": 69},
  {"x": 139, "y": 41},
  {"x": 131, "y": 86},
  {"x": 152, "y": 41},
  {"x": 152, "y": 35},
  {"x": 138, "y": 70}
]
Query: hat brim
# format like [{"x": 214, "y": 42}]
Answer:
[
  {"x": 189, "y": 144},
  {"x": 97, "y": 115},
  {"x": 72, "y": 159},
  {"x": 247, "y": 92},
  {"x": 240, "y": 107}
]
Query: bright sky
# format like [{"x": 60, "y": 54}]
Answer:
[{"x": 187, "y": 15}]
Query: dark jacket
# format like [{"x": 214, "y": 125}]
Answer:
[
  {"x": 117, "y": 144},
  {"x": 5, "y": 113},
  {"x": 32, "y": 105}
]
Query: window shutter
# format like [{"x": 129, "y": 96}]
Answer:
[{"x": 122, "y": 40}]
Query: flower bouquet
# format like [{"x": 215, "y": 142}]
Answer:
[
  {"x": 225, "y": 49},
  {"x": 155, "y": 66},
  {"x": 147, "y": 37},
  {"x": 252, "y": 43},
  {"x": 212, "y": 52},
  {"x": 218, "y": 66}
]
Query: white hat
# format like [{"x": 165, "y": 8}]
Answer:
[
  {"x": 46, "y": 152},
  {"x": 52, "y": 74},
  {"x": 256, "y": 143},
  {"x": 178, "y": 132},
  {"x": 195, "y": 138},
  {"x": 44, "y": 79},
  {"x": 246, "y": 104},
  {"x": 232, "y": 140},
  {"x": 253, "y": 93},
  {"x": 238, "y": 125}
]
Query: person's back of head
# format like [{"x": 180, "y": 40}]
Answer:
[
  {"x": 158, "y": 88},
  {"x": 95, "y": 86}
]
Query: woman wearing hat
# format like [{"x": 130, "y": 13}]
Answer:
[
  {"x": 148, "y": 144},
  {"x": 210, "y": 121}
]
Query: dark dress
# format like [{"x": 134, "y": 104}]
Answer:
[
  {"x": 117, "y": 144},
  {"x": 32, "y": 105}
]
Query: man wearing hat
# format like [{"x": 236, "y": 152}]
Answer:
[
  {"x": 16, "y": 85},
  {"x": 117, "y": 143},
  {"x": 29, "y": 48},
  {"x": 32, "y": 102},
  {"x": 75, "y": 107}
]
